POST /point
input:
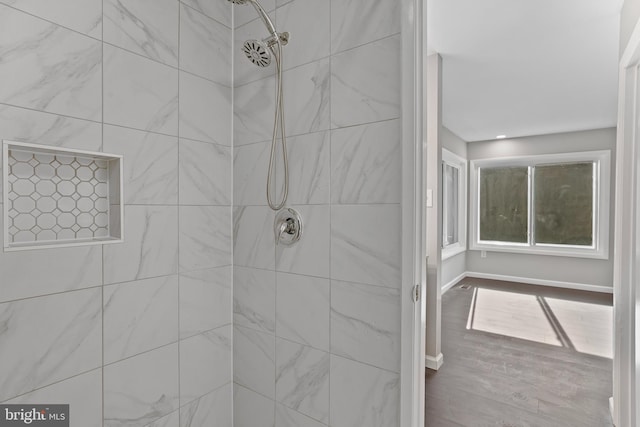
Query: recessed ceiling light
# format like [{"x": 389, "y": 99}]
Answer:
[{"x": 501, "y": 136}]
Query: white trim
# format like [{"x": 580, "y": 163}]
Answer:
[
  {"x": 413, "y": 315},
  {"x": 453, "y": 282},
  {"x": 452, "y": 159},
  {"x": 452, "y": 251},
  {"x": 541, "y": 282},
  {"x": 434, "y": 363},
  {"x": 602, "y": 185},
  {"x": 626, "y": 293}
]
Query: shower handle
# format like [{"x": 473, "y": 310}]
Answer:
[{"x": 288, "y": 227}]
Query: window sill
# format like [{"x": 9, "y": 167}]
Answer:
[
  {"x": 603, "y": 253},
  {"x": 451, "y": 251}
]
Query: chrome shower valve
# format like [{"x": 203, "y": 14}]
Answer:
[{"x": 288, "y": 227}]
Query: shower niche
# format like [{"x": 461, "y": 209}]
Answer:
[{"x": 55, "y": 197}]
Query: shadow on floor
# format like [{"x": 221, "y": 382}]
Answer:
[{"x": 522, "y": 355}]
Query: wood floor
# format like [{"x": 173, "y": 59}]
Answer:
[{"x": 503, "y": 367}]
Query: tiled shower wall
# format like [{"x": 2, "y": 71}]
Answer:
[
  {"x": 317, "y": 325},
  {"x": 137, "y": 333}
]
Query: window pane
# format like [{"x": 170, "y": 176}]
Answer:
[
  {"x": 449, "y": 205},
  {"x": 564, "y": 204},
  {"x": 503, "y": 204}
]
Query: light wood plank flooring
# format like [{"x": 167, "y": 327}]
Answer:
[{"x": 522, "y": 355}]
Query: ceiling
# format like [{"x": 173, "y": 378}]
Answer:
[{"x": 526, "y": 67}]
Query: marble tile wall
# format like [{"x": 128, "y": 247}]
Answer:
[
  {"x": 317, "y": 325},
  {"x": 138, "y": 333}
]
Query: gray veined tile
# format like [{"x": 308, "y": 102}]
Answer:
[
  {"x": 205, "y": 237},
  {"x": 253, "y": 111},
  {"x": 150, "y": 248},
  {"x": 254, "y": 357},
  {"x": 214, "y": 409},
  {"x": 39, "y": 127},
  {"x": 64, "y": 68},
  {"x": 146, "y": 27},
  {"x": 250, "y": 168},
  {"x": 205, "y": 300},
  {"x": 310, "y": 255},
  {"x": 362, "y": 395},
  {"x": 84, "y": 16},
  {"x": 286, "y": 417},
  {"x": 141, "y": 389},
  {"x": 218, "y": 10},
  {"x": 205, "y": 173},
  {"x": 150, "y": 165},
  {"x": 365, "y": 324},
  {"x": 205, "y": 46},
  {"x": 139, "y": 316},
  {"x": 47, "y": 339},
  {"x": 139, "y": 93},
  {"x": 366, "y": 163},
  {"x": 36, "y": 127},
  {"x": 205, "y": 363},
  {"x": 303, "y": 307},
  {"x": 306, "y": 93},
  {"x": 302, "y": 379},
  {"x": 31, "y": 273},
  {"x": 253, "y": 237},
  {"x": 364, "y": 87},
  {"x": 205, "y": 110},
  {"x": 357, "y": 22},
  {"x": 309, "y": 170},
  {"x": 245, "y": 13},
  {"x": 308, "y": 23},
  {"x": 171, "y": 420},
  {"x": 262, "y": 410},
  {"x": 254, "y": 299},
  {"x": 83, "y": 393},
  {"x": 365, "y": 244}
]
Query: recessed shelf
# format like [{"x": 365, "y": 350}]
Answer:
[{"x": 57, "y": 197}]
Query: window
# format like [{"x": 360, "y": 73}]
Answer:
[
  {"x": 552, "y": 204},
  {"x": 454, "y": 204}
]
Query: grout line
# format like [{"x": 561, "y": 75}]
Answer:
[
  {"x": 232, "y": 219},
  {"x": 54, "y": 383},
  {"x": 122, "y": 220},
  {"x": 330, "y": 206},
  {"x": 178, "y": 166}
]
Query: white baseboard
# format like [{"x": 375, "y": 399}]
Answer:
[
  {"x": 434, "y": 363},
  {"x": 541, "y": 282},
  {"x": 453, "y": 282}
]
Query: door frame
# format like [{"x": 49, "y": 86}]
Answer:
[
  {"x": 413, "y": 313},
  {"x": 626, "y": 288}
]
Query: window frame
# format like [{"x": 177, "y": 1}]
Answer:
[
  {"x": 602, "y": 190},
  {"x": 459, "y": 163}
]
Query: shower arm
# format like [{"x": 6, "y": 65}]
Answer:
[{"x": 274, "y": 37}]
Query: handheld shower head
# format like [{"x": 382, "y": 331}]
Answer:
[
  {"x": 258, "y": 52},
  {"x": 238, "y": 1}
]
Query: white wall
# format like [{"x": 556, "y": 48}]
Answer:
[
  {"x": 453, "y": 267},
  {"x": 565, "y": 269},
  {"x": 628, "y": 19}
]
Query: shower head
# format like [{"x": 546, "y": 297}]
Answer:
[
  {"x": 258, "y": 52},
  {"x": 238, "y": 1}
]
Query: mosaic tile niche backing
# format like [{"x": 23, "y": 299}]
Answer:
[{"x": 55, "y": 197}]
